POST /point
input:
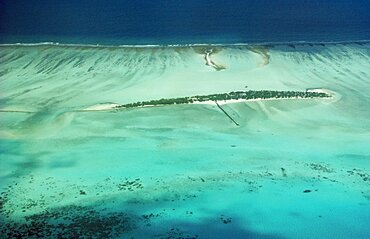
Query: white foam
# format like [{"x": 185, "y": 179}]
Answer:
[{"x": 184, "y": 45}]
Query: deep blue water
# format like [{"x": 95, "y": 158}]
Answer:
[{"x": 179, "y": 21}]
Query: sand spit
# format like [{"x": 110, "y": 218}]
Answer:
[
  {"x": 207, "y": 51},
  {"x": 18, "y": 109},
  {"x": 210, "y": 62},
  {"x": 101, "y": 107}
]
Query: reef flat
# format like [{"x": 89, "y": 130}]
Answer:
[{"x": 291, "y": 169}]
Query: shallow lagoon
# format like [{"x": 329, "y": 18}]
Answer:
[{"x": 292, "y": 169}]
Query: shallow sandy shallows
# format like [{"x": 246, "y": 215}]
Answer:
[{"x": 292, "y": 169}]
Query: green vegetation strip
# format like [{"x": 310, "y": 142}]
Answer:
[{"x": 234, "y": 95}]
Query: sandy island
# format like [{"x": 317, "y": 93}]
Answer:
[{"x": 333, "y": 97}]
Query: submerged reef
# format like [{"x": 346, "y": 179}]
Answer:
[
  {"x": 70, "y": 222},
  {"x": 234, "y": 95}
]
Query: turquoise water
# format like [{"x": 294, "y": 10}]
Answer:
[{"x": 292, "y": 169}]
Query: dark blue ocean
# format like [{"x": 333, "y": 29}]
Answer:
[{"x": 182, "y": 22}]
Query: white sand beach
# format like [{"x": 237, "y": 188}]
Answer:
[{"x": 101, "y": 107}]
